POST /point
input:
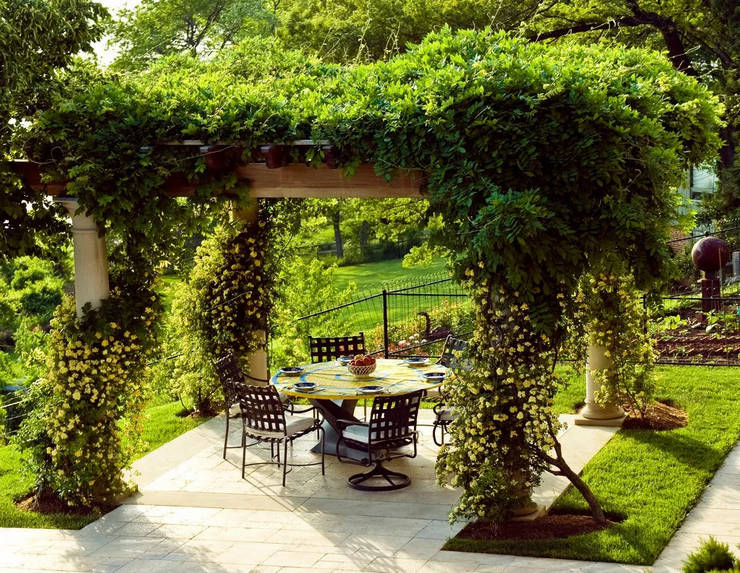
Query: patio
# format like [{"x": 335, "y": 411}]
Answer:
[{"x": 194, "y": 509}]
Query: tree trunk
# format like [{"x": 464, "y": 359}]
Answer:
[
  {"x": 338, "y": 234},
  {"x": 563, "y": 469},
  {"x": 364, "y": 234}
]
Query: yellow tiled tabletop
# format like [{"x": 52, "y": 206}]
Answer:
[{"x": 334, "y": 381}]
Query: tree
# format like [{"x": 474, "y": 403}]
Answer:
[
  {"x": 158, "y": 28},
  {"x": 369, "y": 30},
  {"x": 701, "y": 38},
  {"x": 37, "y": 40}
]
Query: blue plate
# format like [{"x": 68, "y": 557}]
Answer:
[
  {"x": 416, "y": 361},
  {"x": 291, "y": 371},
  {"x": 304, "y": 386},
  {"x": 434, "y": 376},
  {"x": 344, "y": 360},
  {"x": 370, "y": 389}
]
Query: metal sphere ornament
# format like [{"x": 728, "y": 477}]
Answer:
[{"x": 710, "y": 254}]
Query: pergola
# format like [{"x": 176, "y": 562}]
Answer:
[{"x": 274, "y": 178}]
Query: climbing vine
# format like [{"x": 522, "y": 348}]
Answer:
[
  {"x": 541, "y": 160},
  {"x": 615, "y": 320}
]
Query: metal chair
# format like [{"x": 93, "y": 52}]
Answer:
[
  {"x": 392, "y": 426},
  {"x": 326, "y": 348},
  {"x": 451, "y": 358},
  {"x": 265, "y": 421},
  {"x": 232, "y": 378}
]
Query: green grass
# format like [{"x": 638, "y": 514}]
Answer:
[
  {"x": 162, "y": 425},
  {"x": 371, "y": 276},
  {"x": 652, "y": 478}
]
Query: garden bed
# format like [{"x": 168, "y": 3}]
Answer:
[{"x": 653, "y": 478}]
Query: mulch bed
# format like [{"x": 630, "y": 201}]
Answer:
[
  {"x": 551, "y": 526},
  {"x": 49, "y": 504},
  {"x": 661, "y": 416}
]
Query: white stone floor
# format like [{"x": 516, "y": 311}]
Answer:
[{"x": 195, "y": 513}]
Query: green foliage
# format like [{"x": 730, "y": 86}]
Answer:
[
  {"x": 712, "y": 555},
  {"x": 33, "y": 290},
  {"x": 540, "y": 161},
  {"x": 86, "y": 415},
  {"x": 156, "y": 28},
  {"x": 304, "y": 286},
  {"x": 614, "y": 318},
  {"x": 223, "y": 308}
]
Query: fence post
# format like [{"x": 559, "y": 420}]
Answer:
[{"x": 385, "y": 323}]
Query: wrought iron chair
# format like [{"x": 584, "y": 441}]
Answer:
[
  {"x": 265, "y": 421},
  {"x": 232, "y": 379},
  {"x": 444, "y": 414},
  {"x": 392, "y": 426},
  {"x": 326, "y": 348}
]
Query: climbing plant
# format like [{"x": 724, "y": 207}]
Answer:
[{"x": 541, "y": 160}]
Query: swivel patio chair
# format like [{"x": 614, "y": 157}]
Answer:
[
  {"x": 327, "y": 348},
  {"x": 444, "y": 414},
  {"x": 392, "y": 426},
  {"x": 232, "y": 379},
  {"x": 265, "y": 421}
]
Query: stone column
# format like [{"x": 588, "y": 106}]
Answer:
[
  {"x": 258, "y": 371},
  {"x": 592, "y": 414},
  {"x": 91, "y": 259}
]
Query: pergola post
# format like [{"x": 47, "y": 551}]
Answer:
[
  {"x": 592, "y": 414},
  {"x": 257, "y": 369},
  {"x": 91, "y": 259}
]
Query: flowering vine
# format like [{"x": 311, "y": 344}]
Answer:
[
  {"x": 615, "y": 320},
  {"x": 87, "y": 416}
]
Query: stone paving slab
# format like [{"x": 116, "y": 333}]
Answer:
[{"x": 195, "y": 513}]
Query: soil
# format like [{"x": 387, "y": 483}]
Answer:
[
  {"x": 661, "y": 416},
  {"x": 687, "y": 345},
  {"x": 551, "y": 526},
  {"x": 50, "y": 504}
]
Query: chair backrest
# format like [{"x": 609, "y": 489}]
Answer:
[
  {"x": 451, "y": 352},
  {"x": 262, "y": 410},
  {"x": 230, "y": 374},
  {"x": 394, "y": 417},
  {"x": 328, "y": 348}
]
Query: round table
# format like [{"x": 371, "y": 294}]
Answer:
[{"x": 337, "y": 391}]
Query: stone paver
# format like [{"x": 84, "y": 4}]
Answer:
[{"x": 195, "y": 513}]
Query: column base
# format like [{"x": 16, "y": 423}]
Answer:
[
  {"x": 535, "y": 512},
  {"x": 615, "y": 422}
]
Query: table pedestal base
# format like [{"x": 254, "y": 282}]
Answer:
[{"x": 332, "y": 411}]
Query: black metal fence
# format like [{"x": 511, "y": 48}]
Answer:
[{"x": 400, "y": 319}]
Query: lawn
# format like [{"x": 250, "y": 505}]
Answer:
[
  {"x": 162, "y": 425},
  {"x": 651, "y": 478},
  {"x": 370, "y": 277}
]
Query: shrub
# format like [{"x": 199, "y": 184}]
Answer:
[{"x": 712, "y": 555}]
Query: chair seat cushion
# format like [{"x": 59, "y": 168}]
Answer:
[
  {"x": 297, "y": 424},
  {"x": 357, "y": 433},
  {"x": 446, "y": 415},
  {"x": 293, "y": 425}
]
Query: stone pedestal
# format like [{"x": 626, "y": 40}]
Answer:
[
  {"x": 710, "y": 291},
  {"x": 91, "y": 259},
  {"x": 592, "y": 414}
]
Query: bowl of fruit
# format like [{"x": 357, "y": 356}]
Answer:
[{"x": 362, "y": 365}]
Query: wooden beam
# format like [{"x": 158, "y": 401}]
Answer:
[
  {"x": 292, "y": 181},
  {"x": 302, "y": 181}
]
